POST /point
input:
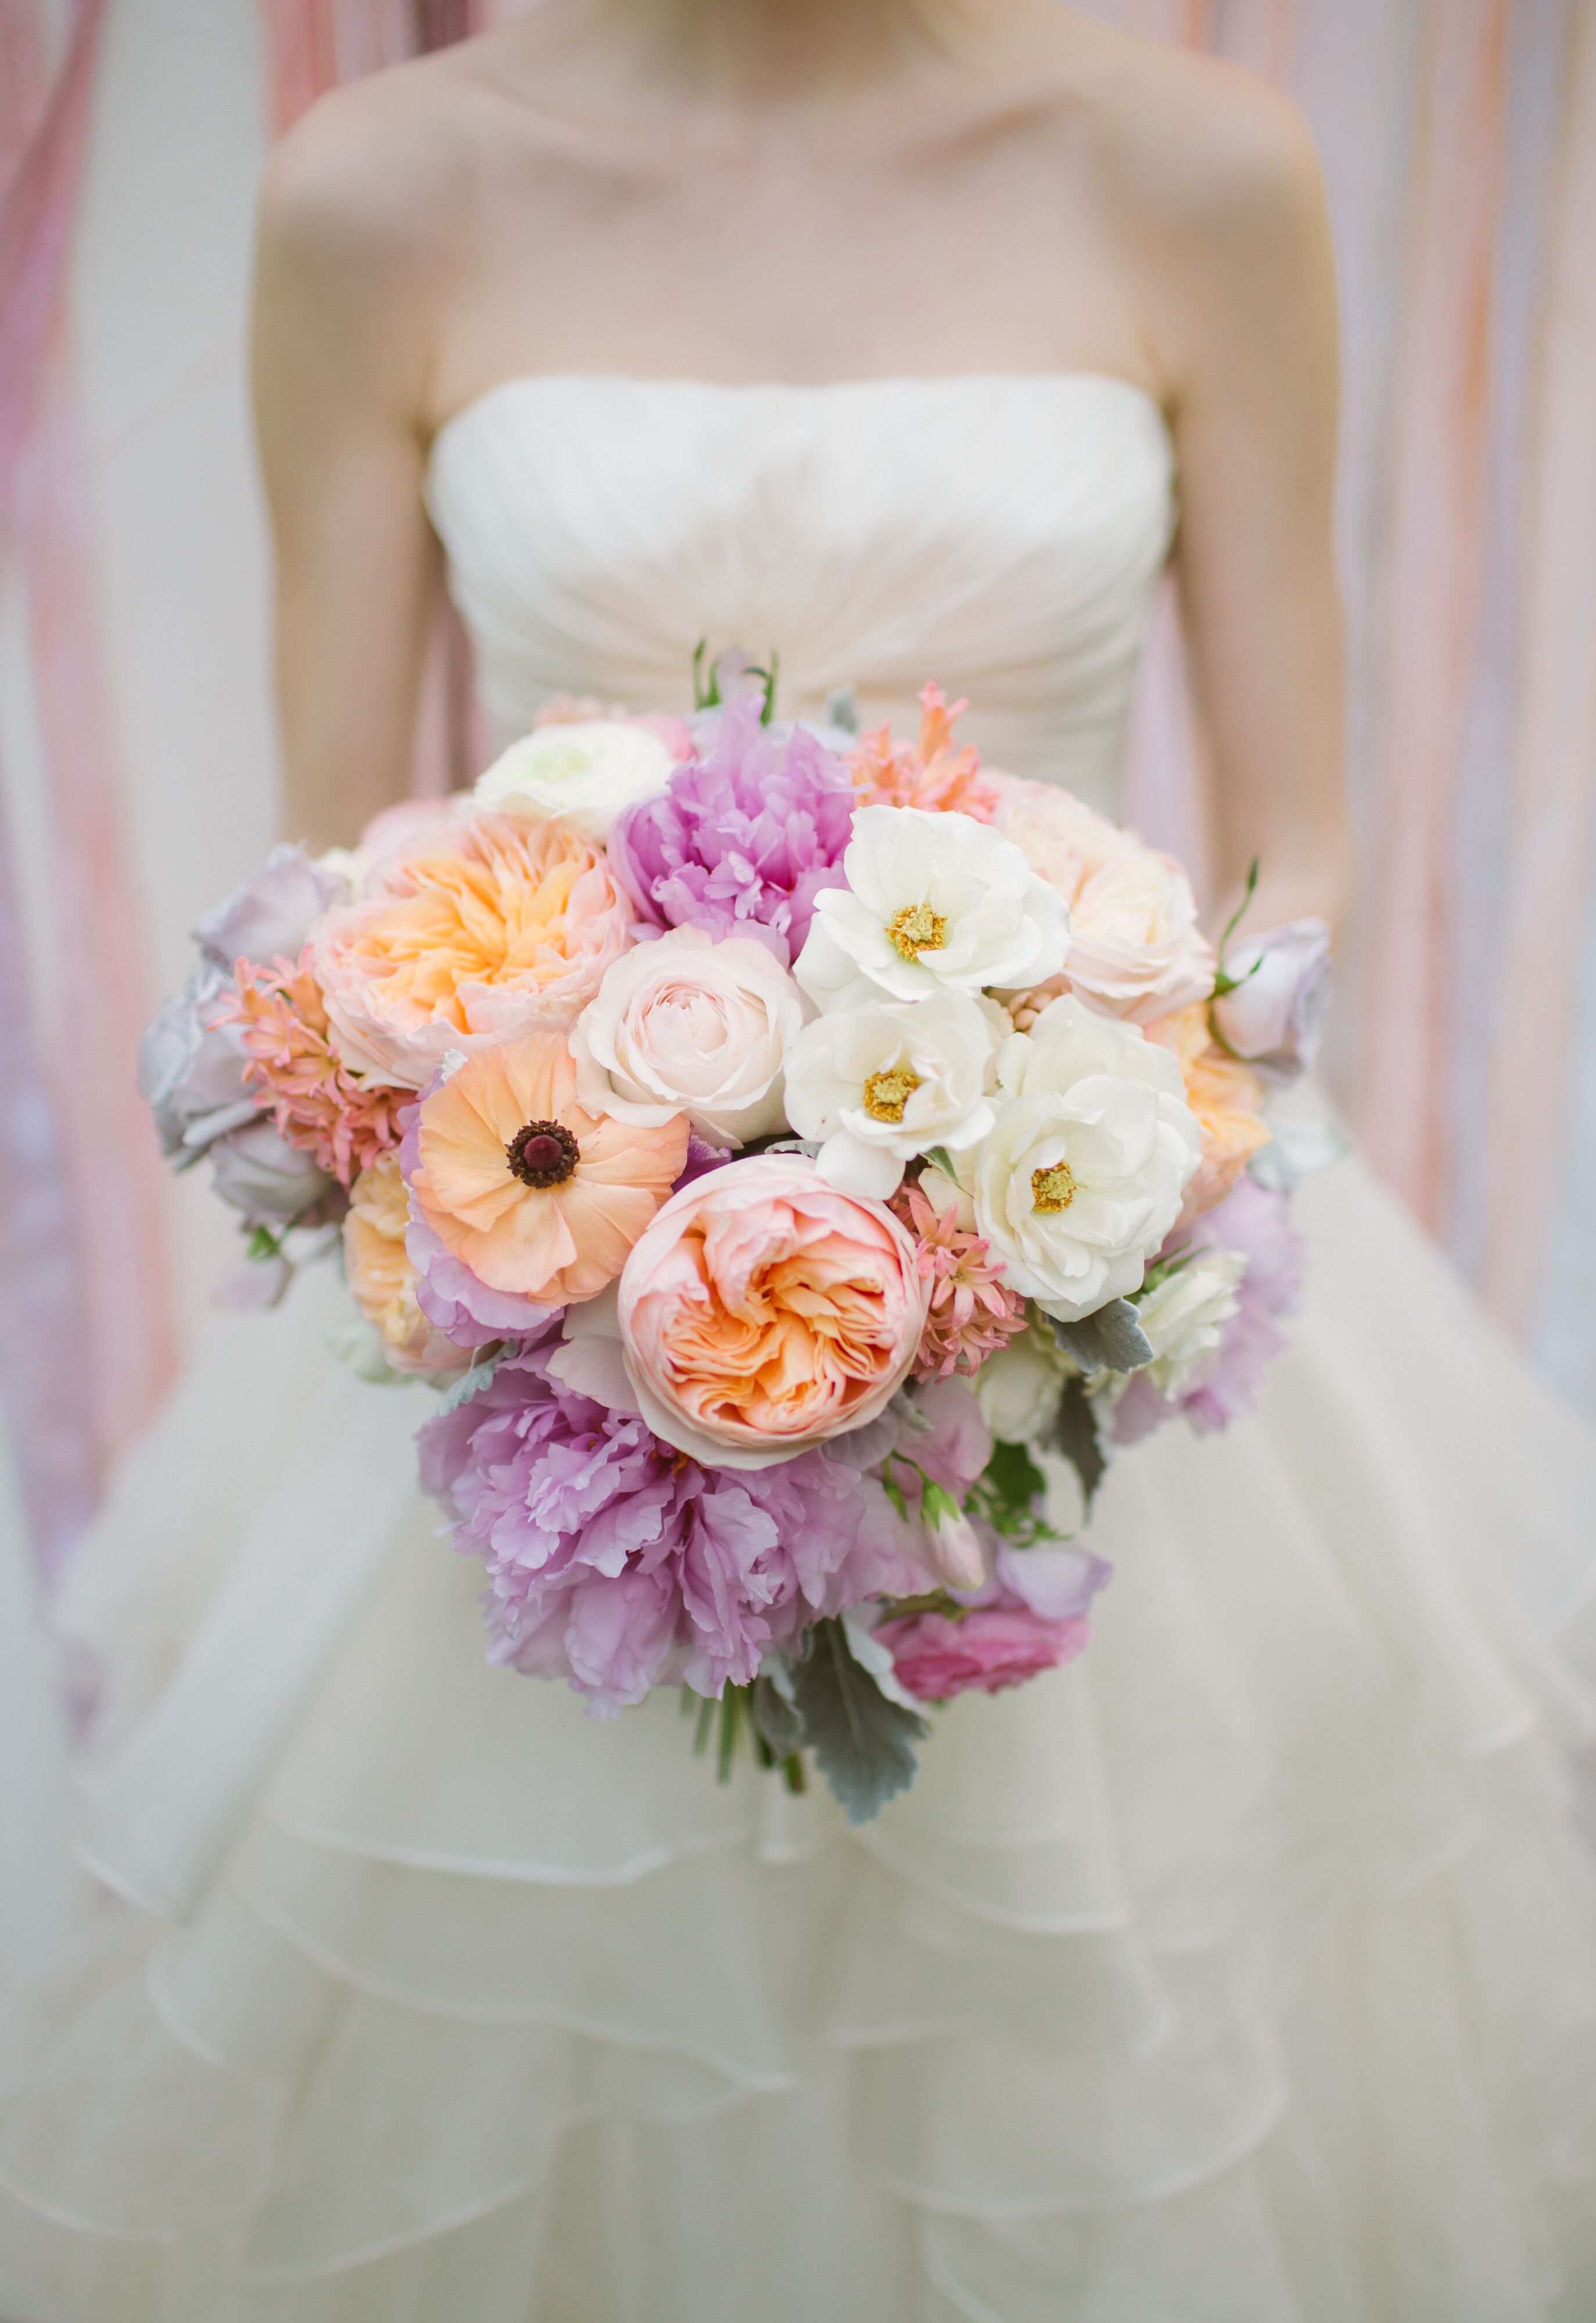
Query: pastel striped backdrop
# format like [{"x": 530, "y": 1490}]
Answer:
[{"x": 1459, "y": 138}]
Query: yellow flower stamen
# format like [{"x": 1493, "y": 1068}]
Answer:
[
  {"x": 916, "y": 929},
  {"x": 1053, "y": 1189},
  {"x": 887, "y": 1093}
]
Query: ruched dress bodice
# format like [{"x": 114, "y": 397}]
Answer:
[{"x": 1001, "y": 535}]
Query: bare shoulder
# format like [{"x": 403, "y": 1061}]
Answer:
[
  {"x": 1194, "y": 147},
  {"x": 1213, "y": 184},
  {"x": 376, "y": 175}
]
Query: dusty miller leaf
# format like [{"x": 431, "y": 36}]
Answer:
[
  {"x": 1111, "y": 1340},
  {"x": 1074, "y": 1434},
  {"x": 469, "y": 1383},
  {"x": 863, "y": 1743},
  {"x": 778, "y": 1719}
]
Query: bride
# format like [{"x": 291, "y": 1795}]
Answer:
[{"x": 1244, "y": 1970}]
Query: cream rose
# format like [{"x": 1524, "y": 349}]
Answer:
[
  {"x": 690, "y": 1025},
  {"x": 1082, "y": 1176},
  {"x": 1183, "y": 1319},
  {"x": 1018, "y": 1389},
  {"x": 586, "y": 773},
  {"x": 882, "y": 1083},
  {"x": 1136, "y": 949}
]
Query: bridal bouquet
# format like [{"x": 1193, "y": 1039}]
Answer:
[{"x": 797, "y": 1159}]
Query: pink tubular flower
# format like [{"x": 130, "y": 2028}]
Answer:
[
  {"x": 931, "y": 772},
  {"x": 297, "y": 1078},
  {"x": 937, "y": 1655},
  {"x": 762, "y": 1311},
  {"x": 972, "y": 1312}
]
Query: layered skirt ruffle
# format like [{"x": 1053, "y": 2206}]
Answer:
[{"x": 1244, "y": 1970}]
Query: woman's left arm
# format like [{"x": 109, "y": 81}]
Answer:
[{"x": 1247, "y": 289}]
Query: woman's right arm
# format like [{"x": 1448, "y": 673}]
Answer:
[{"x": 345, "y": 259}]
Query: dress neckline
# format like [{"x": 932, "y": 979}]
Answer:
[{"x": 521, "y": 383}]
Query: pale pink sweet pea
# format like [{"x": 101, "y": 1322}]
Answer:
[
  {"x": 1281, "y": 984},
  {"x": 762, "y": 1311}
]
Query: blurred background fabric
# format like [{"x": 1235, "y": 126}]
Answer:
[{"x": 137, "y": 777}]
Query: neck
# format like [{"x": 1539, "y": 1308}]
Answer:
[{"x": 763, "y": 51}]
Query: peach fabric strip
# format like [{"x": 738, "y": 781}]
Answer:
[{"x": 86, "y": 1345}]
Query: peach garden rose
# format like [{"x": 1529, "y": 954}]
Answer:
[{"x": 764, "y": 1311}]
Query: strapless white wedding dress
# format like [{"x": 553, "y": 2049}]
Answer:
[{"x": 1243, "y": 1972}]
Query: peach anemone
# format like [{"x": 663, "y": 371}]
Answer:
[
  {"x": 478, "y": 929},
  {"x": 536, "y": 1195}
]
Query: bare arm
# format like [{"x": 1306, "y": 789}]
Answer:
[
  {"x": 1247, "y": 280},
  {"x": 340, "y": 366}
]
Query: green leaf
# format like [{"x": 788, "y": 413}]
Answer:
[
  {"x": 935, "y": 1502},
  {"x": 769, "y": 676},
  {"x": 893, "y": 1489},
  {"x": 1236, "y": 917},
  {"x": 1111, "y": 1340},
  {"x": 1005, "y": 1495},
  {"x": 863, "y": 1743},
  {"x": 264, "y": 1244},
  {"x": 1074, "y": 1433},
  {"x": 704, "y": 697}
]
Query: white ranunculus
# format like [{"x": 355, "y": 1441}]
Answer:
[
  {"x": 1082, "y": 1176},
  {"x": 879, "y": 1084},
  {"x": 1019, "y": 1388},
  {"x": 1281, "y": 984},
  {"x": 690, "y": 1025},
  {"x": 934, "y": 902},
  {"x": 586, "y": 773},
  {"x": 1184, "y": 1316}
]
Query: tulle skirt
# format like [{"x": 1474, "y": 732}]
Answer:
[{"x": 1243, "y": 1972}]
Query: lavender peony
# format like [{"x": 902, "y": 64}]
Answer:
[
  {"x": 743, "y": 838},
  {"x": 620, "y": 1565}
]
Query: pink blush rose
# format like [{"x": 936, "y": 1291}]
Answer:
[{"x": 992, "y": 1646}]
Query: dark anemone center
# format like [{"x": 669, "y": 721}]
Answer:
[{"x": 543, "y": 1154}]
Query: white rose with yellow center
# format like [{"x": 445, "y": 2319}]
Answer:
[
  {"x": 934, "y": 903},
  {"x": 879, "y": 1084},
  {"x": 1082, "y": 1175},
  {"x": 586, "y": 773}
]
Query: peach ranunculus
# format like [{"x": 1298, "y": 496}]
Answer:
[
  {"x": 764, "y": 1311},
  {"x": 381, "y": 1279},
  {"x": 486, "y": 927},
  {"x": 1227, "y": 1097},
  {"x": 1135, "y": 948},
  {"x": 536, "y": 1195},
  {"x": 932, "y": 773}
]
